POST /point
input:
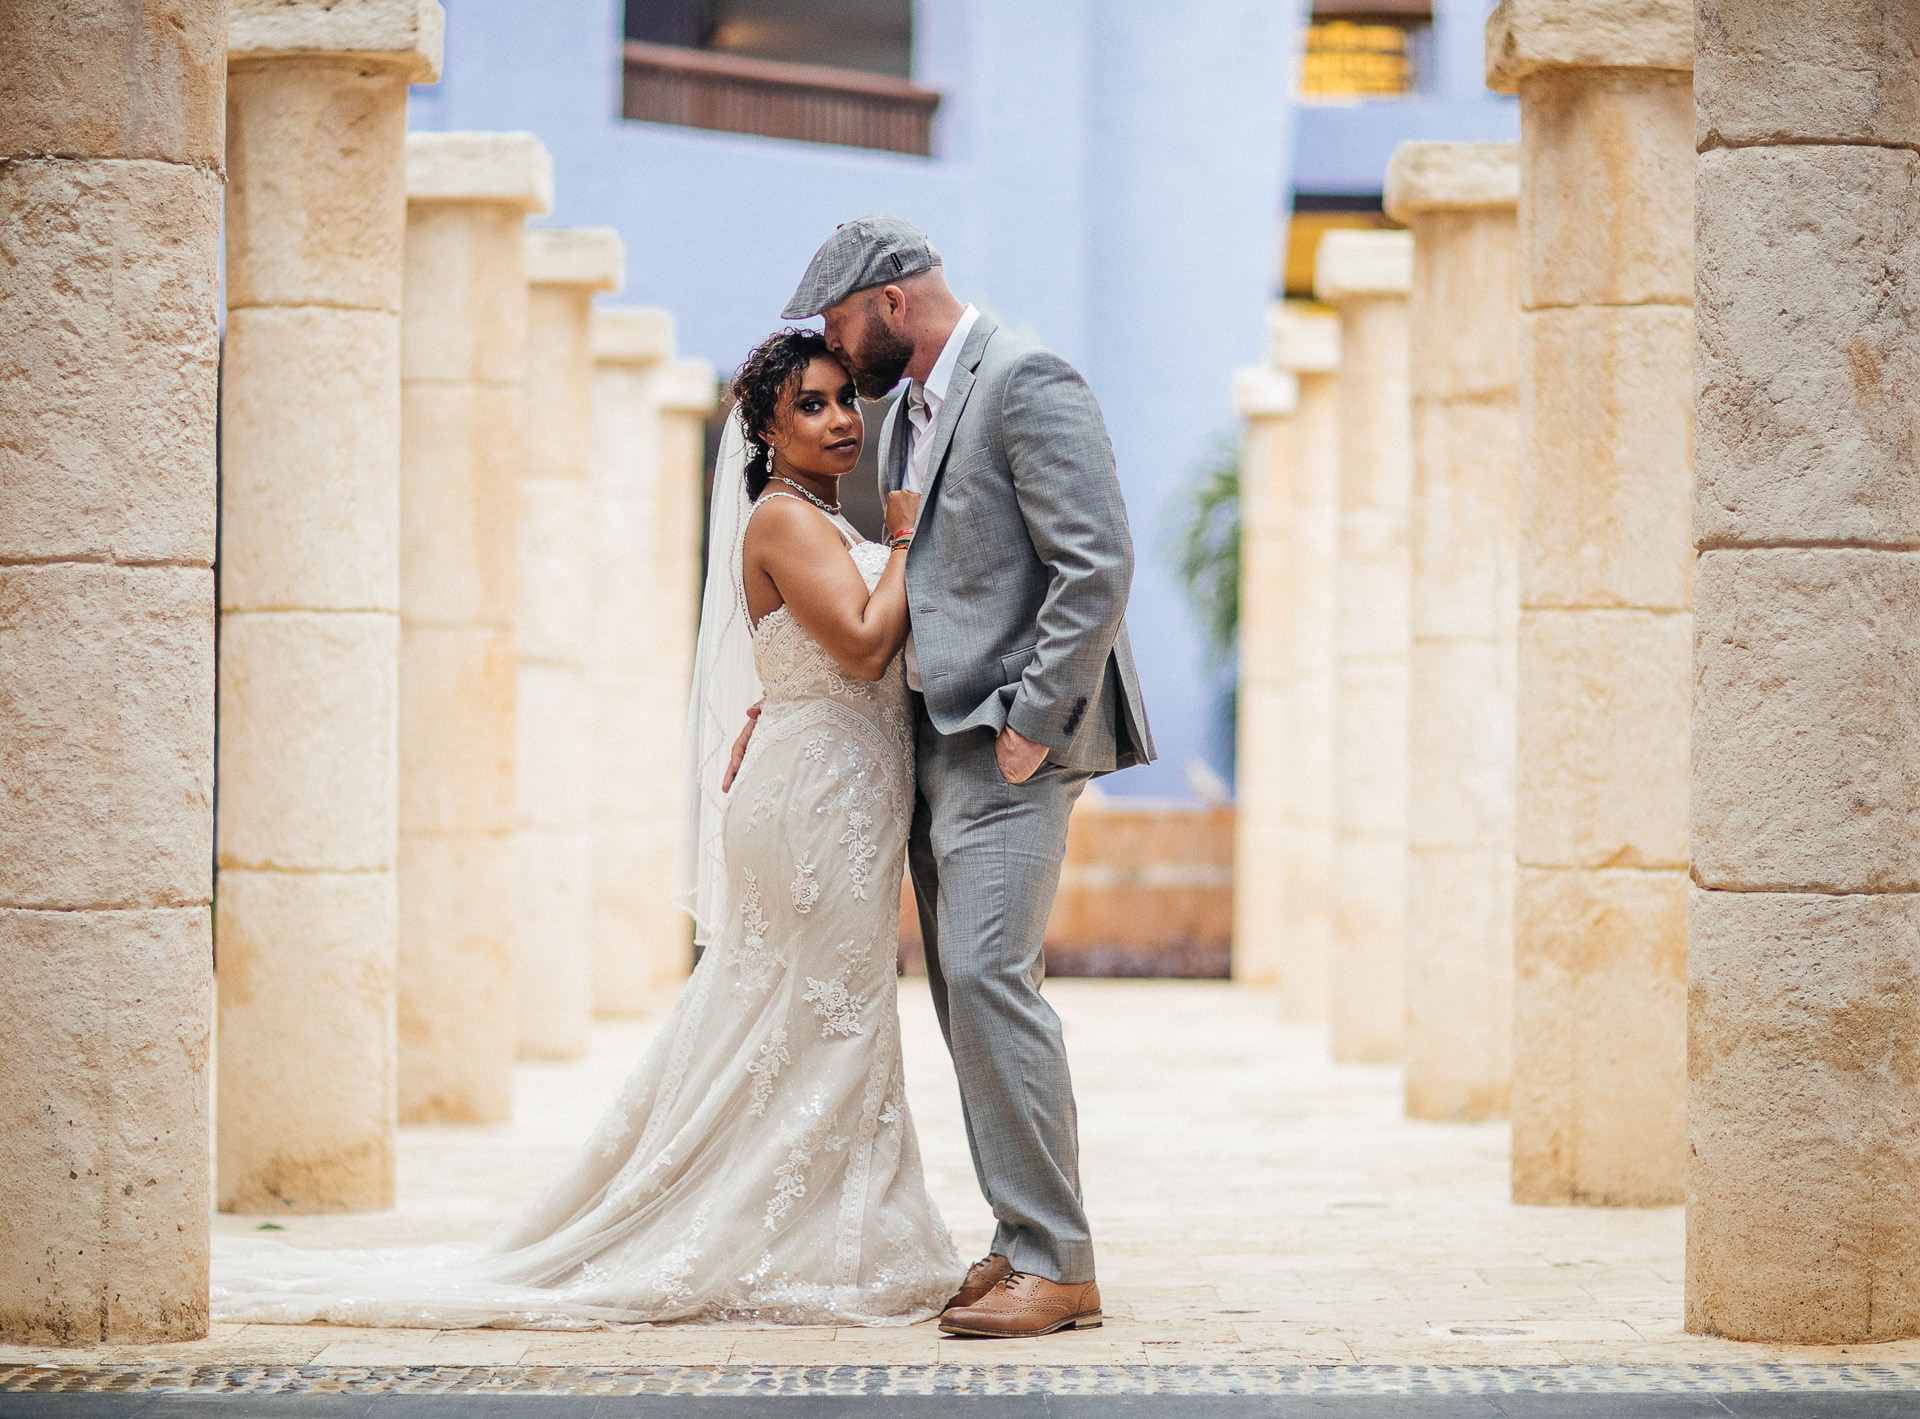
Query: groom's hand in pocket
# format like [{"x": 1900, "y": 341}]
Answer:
[
  {"x": 740, "y": 749},
  {"x": 1018, "y": 756}
]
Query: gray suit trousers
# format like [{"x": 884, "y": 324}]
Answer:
[{"x": 985, "y": 858}]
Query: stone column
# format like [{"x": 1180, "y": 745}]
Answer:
[
  {"x": 1306, "y": 344},
  {"x": 553, "y": 912},
  {"x": 1264, "y": 398},
  {"x": 1804, "y": 975},
  {"x": 463, "y": 356},
  {"x": 310, "y": 602},
  {"x": 646, "y": 545},
  {"x": 1600, "y": 821},
  {"x": 1366, "y": 276},
  {"x": 683, "y": 393},
  {"x": 1463, "y": 524},
  {"x": 110, "y": 172}
]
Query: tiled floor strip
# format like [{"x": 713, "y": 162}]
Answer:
[{"x": 855, "y": 1380}]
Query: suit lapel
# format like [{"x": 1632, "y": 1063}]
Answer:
[{"x": 957, "y": 391}]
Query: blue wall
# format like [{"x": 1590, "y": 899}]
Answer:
[{"x": 1104, "y": 178}]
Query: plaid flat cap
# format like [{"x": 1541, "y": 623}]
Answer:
[{"x": 863, "y": 253}]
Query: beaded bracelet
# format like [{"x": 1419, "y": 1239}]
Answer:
[{"x": 900, "y": 540}]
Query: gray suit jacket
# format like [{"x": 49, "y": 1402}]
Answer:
[{"x": 1018, "y": 576}]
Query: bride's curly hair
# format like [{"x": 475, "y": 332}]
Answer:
[{"x": 772, "y": 369}]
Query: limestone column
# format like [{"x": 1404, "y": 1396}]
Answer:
[
  {"x": 553, "y": 845},
  {"x": 1305, "y": 344},
  {"x": 110, "y": 172},
  {"x": 1600, "y": 819},
  {"x": 1463, "y": 523},
  {"x": 1804, "y": 956},
  {"x": 1366, "y": 275},
  {"x": 463, "y": 356},
  {"x": 684, "y": 392},
  {"x": 646, "y": 544},
  {"x": 310, "y": 602},
  {"x": 1264, "y": 399}
]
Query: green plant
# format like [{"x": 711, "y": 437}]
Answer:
[{"x": 1206, "y": 546}]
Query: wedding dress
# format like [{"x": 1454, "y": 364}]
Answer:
[{"x": 759, "y": 1166}]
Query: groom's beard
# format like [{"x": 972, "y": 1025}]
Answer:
[{"x": 882, "y": 360}]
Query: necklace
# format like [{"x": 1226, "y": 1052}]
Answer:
[{"x": 830, "y": 509}]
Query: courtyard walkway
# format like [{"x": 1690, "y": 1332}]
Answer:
[
  {"x": 1274, "y": 1239},
  {"x": 1252, "y": 1203}
]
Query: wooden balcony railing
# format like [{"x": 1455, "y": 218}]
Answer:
[{"x": 698, "y": 88}]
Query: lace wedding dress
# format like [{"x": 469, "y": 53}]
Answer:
[{"x": 760, "y": 1165}]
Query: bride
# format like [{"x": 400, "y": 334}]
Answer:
[{"x": 759, "y": 1166}]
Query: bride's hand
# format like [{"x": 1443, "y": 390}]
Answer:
[
  {"x": 903, "y": 510},
  {"x": 739, "y": 749}
]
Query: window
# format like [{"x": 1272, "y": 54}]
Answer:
[
  {"x": 823, "y": 71},
  {"x": 873, "y": 36},
  {"x": 1365, "y": 48}
]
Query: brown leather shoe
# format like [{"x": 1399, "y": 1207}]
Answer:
[
  {"x": 1023, "y": 1305},
  {"x": 982, "y": 1277}
]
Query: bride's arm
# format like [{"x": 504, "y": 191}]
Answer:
[{"x": 802, "y": 555}]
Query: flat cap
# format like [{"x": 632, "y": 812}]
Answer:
[{"x": 861, "y": 254}]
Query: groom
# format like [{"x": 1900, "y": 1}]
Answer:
[{"x": 1023, "y": 690}]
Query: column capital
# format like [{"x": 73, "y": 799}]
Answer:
[
  {"x": 632, "y": 335},
  {"x": 508, "y": 168},
  {"x": 409, "y": 34},
  {"x": 1452, "y": 177},
  {"x": 1260, "y": 393},
  {"x": 686, "y": 386},
  {"x": 1363, "y": 263},
  {"x": 593, "y": 257},
  {"x": 1524, "y": 36},
  {"x": 1302, "y": 340}
]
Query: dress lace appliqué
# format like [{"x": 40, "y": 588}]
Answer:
[
  {"x": 755, "y": 960},
  {"x": 673, "y": 1277},
  {"x": 805, "y": 888},
  {"x": 839, "y": 1012},
  {"x": 790, "y": 1178},
  {"x": 860, "y": 794},
  {"x": 765, "y": 799},
  {"x": 766, "y": 1071}
]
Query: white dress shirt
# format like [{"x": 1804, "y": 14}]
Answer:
[{"x": 923, "y": 415}]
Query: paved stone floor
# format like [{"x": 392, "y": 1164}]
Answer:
[
  {"x": 1271, "y": 1233},
  {"x": 365, "y": 1404}
]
